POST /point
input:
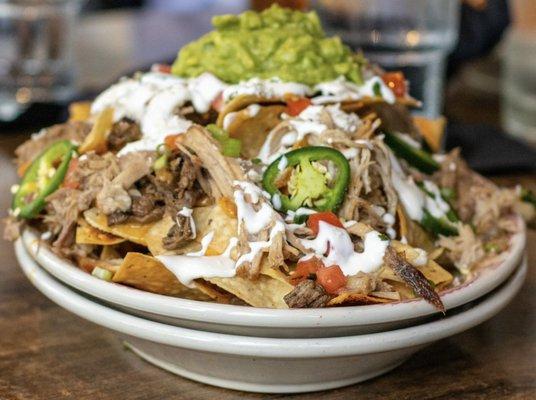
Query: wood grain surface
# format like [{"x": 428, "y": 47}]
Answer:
[{"x": 47, "y": 353}]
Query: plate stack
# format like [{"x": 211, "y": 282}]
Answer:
[{"x": 268, "y": 350}]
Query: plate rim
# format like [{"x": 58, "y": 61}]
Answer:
[
  {"x": 234, "y": 315},
  {"x": 268, "y": 347}
]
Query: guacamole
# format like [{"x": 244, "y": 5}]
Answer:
[{"x": 276, "y": 42}]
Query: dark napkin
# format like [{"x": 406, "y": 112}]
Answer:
[{"x": 489, "y": 150}]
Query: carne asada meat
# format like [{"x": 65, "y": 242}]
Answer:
[
  {"x": 307, "y": 294},
  {"x": 179, "y": 234}
]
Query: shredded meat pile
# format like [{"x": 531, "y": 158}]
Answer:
[
  {"x": 72, "y": 130},
  {"x": 167, "y": 190},
  {"x": 123, "y": 132}
]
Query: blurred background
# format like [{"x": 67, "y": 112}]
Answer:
[{"x": 473, "y": 61}]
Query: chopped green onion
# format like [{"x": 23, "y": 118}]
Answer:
[
  {"x": 218, "y": 133},
  {"x": 377, "y": 89},
  {"x": 256, "y": 161},
  {"x": 448, "y": 193},
  {"x": 160, "y": 162},
  {"x": 231, "y": 147},
  {"x": 491, "y": 247},
  {"x": 383, "y": 237},
  {"x": 528, "y": 196},
  {"x": 102, "y": 273}
]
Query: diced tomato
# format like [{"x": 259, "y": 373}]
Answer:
[
  {"x": 305, "y": 268},
  {"x": 331, "y": 278},
  {"x": 296, "y": 106},
  {"x": 217, "y": 103},
  {"x": 396, "y": 81},
  {"x": 171, "y": 141},
  {"x": 327, "y": 216},
  {"x": 162, "y": 68},
  {"x": 70, "y": 181}
]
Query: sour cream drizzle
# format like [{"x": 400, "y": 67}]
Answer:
[
  {"x": 341, "y": 249},
  {"x": 413, "y": 198},
  {"x": 153, "y": 98},
  {"x": 309, "y": 122},
  {"x": 342, "y": 90},
  {"x": 265, "y": 88}
]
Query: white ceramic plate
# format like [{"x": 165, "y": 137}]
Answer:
[
  {"x": 240, "y": 320},
  {"x": 268, "y": 364}
]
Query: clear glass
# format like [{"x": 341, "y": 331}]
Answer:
[
  {"x": 414, "y": 36},
  {"x": 36, "y": 58},
  {"x": 519, "y": 85}
]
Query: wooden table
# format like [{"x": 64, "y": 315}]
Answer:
[{"x": 49, "y": 353}]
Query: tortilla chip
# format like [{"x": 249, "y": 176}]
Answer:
[
  {"x": 109, "y": 253},
  {"x": 133, "y": 232},
  {"x": 241, "y": 102},
  {"x": 87, "y": 234},
  {"x": 347, "y": 299},
  {"x": 96, "y": 139},
  {"x": 432, "y": 130},
  {"x": 207, "y": 219},
  {"x": 79, "y": 111},
  {"x": 147, "y": 273},
  {"x": 431, "y": 270},
  {"x": 252, "y": 131},
  {"x": 413, "y": 232},
  {"x": 403, "y": 289},
  {"x": 264, "y": 292}
]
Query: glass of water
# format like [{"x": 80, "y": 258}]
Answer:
[
  {"x": 36, "y": 59},
  {"x": 414, "y": 36}
]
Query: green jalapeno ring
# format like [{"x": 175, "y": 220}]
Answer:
[
  {"x": 325, "y": 198},
  {"x": 38, "y": 182}
]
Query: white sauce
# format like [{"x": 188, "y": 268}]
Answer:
[
  {"x": 282, "y": 164},
  {"x": 255, "y": 221},
  {"x": 413, "y": 198},
  {"x": 203, "y": 91},
  {"x": 350, "y": 153},
  {"x": 151, "y": 101},
  {"x": 409, "y": 194},
  {"x": 265, "y": 88},
  {"x": 205, "y": 242},
  {"x": 340, "y": 90},
  {"x": 422, "y": 258},
  {"x": 436, "y": 205},
  {"x": 309, "y": 122},
  {"x": 341, "y": 249},
  {"x": 187, "y": 268},
  {"x": 253, "y": 109},
  {"x": 257, "y": 247},
  {"x": 229, "y": 119},
  {"x": 409, "y": 140},
  {"x": 276, "y": 201}
]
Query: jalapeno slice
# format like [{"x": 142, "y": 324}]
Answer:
[
  {"x": 418, "y": 158},
  {"x": 439, "y": 226},
  {"x": 314, "y": 177},
  {"x": 444, "y": 225},
  {"x": 43, "y": 177}
]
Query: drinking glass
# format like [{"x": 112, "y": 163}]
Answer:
[
  {"x": 36, "y": 61},
  {"x": 414, "y": 36}
]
